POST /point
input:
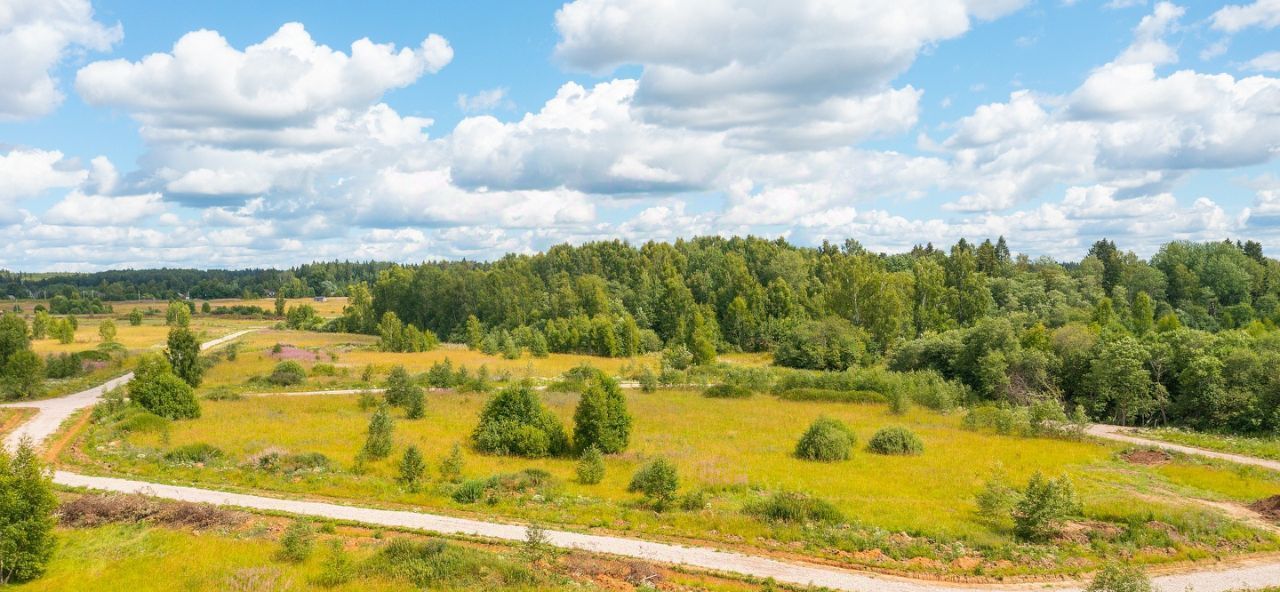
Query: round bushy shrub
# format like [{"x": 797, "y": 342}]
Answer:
[
  {"x": 514, "y": 422},
  {"x": 895, "y": 440},
  {"x": 287, "y": 373},
  {"x": 657, "y": 481},
  {"x": 165, "y": 395},
  {"x": 591, "y": 466},
  {"x": 826, "y": 440},
  {"x": 727, "y": 391}
]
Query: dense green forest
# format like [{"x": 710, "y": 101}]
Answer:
[{"x": 1186, "y": 337}]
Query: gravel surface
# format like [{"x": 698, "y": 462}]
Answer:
[{"x": 1121, "y": 434}]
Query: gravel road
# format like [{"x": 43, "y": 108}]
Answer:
[{"x": 1121, "y": 434}]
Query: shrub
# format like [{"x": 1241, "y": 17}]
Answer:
[
  {"x": 416, "y": 405},
  {"x": 1045, "y": 504},
  {"x": 26, "y": 515},
  {"x": 164, "y": 394},
  {"x": 590, "y": 467},
  {"x": 514, "y": 422},
  {"x": 535, "y": 481},
  {"x": 1115, "y": 577},
  {"x": 826, "y": 440},
  {"x": 835, "y": 396},
  {"x": 378, "y": 441},
  {"x": 141, "y": 421},
  {"x": 895, "y": 440},
  {"x": 183, "y": 353},
  {"x": 727, "y": 391},
  {"x": 287, "y": 373},
  {"x": 435, "y": 564},
  {"x": 657, "y": 481},
  {"x": 648, "y": 380},
  {"x": 470, "y": 491},
  {"x": 197, "y": 453},
  {"x": 785, "y": 506},
  {"x": 693, "y": 501},
  {"x": 297, "y": 542},
  {"x": 324, "y": 370}
]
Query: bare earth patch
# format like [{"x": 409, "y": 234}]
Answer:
[
  {"x": 1146, "y": 456},
  {"x": 1268, "y": 507}
]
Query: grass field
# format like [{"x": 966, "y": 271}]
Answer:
[
  {"x": 1261, "y": 447},
  {"x": 143, "y": 557},
  {"x": 905, "y": 513}
]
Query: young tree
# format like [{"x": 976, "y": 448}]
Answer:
[
  {"x": 26, "y": 515},
  {"x": 451, "y": 465},
  {"x": 378, "y": 441},
  {"x": 13, "y": 336},
  {"x": 22, "y": 377},
  {"x": 590, "y": 467},
  {"x": 178, "y": 314},
  {"x": 40, "y": 323},
  {"x": 399, "y": 387},
  {"x": 601, "y": 419},
  {"x": 135, "y": 317},
  {"x": 416, "y": 406},
  {"x": 297, "y": 542},
  {"x": 280, "y": 303},
  {"x": 475, "y": 333},
  {"x": 107, "y": 331},
  {"x": 657, "y": 481},
  {"x": 184, "y": 355},
  {"x": 412, "y": 468}
]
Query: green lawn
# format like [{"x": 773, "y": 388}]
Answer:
[{"x": 917, "y": 512}]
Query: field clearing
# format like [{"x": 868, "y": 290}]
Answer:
[
  {"x": 352, "y": 353},
  {"x": 735, "y": 450},
  {"x": 150, "y": 335}
]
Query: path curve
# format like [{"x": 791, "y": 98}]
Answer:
[
  {"x": 52, "y": 412},
  {"x": 1121, "y": 434}
]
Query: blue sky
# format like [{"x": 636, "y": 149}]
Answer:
[{"x": 235, "y": 134}]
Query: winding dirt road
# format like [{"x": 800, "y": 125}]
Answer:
[{"x": 53, "y": 412}]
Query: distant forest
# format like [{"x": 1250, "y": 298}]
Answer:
[{"x": 1187, "y": 336}]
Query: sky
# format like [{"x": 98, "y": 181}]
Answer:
[{"x": 239, "y": 134}]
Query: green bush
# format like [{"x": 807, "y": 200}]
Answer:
[
  {"x": 138, "y": 420},
  {"x": 1044, "y": 506},
  {"x": 786, "y": 506},
  {"x": 1116, "y": 577},
  {"x": 451, "y": 465},
  {"x": 378, "y": 437},
  {"x": 514, "y": 422},
  {"x": 412, "y": 467},
  {"x": 826, "y": 440},
  {"x": 657, "y": 481},
  {"x": 895, "y": 440},
  {"x": 165, "y": 395},
  {"x": 198, "y": 452},
  {"x": 435, "y": 565},
  {"x": 590, "y": 467},
  {"x": 287, "y": 373},
  {"x": 324, "y": 370},
  {"x": 726, "y": 391},
  {"x": 297, "y": 542},
  {"x": 529, "y": 481},
  {"x": 835, "y": 396}
]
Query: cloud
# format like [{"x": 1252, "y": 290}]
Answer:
[
  {"x": 1267, "y": 62},
  {"x": 485, "y": 100},
  {"x": 29, "y": 173},
  {"x": 808, "y": 74},
  {"x": 79, "y": 209},
  {"x": 1126, "y": 125},
  {"x": 285, "y": 81},
  {"x": 35, "y": 36},
  {"x": 1233, "y": 18}
]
